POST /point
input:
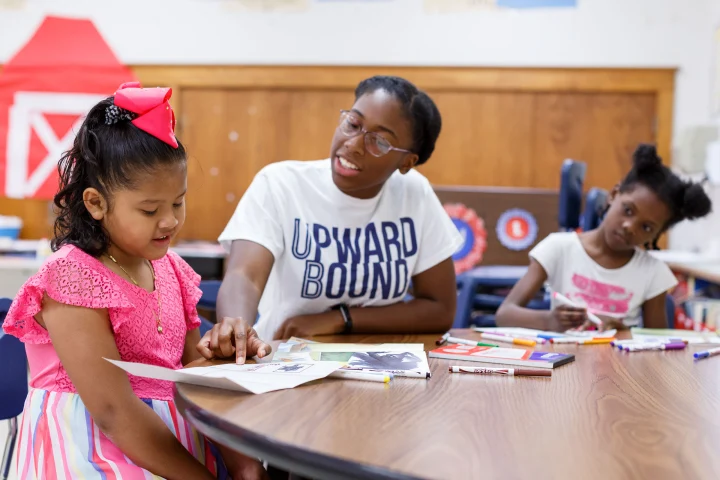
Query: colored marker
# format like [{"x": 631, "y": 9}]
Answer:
[
  {"x": 538, "y": 339},
  {"x": 566, "y": 301},
  {"x": 584, "y": 340},
  {"x": 622, "y": 343},
  {"x": 510, "y": 372},
  {"x": 565, "y": 340},
  {"x": 550, "y": 336},
  {"x": 657, "y": 346},
  {"x": 442, "y": 339},
  {"x": 595, "y": 341},
  {"x": 465, "y": 341},
  {"x": 368, "y": 377},
  {"x": 707, "y": 353},
  {"x": 505, "y": 339}
]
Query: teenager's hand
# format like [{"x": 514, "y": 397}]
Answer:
[
  {"x": 327, "y": 323},
  {"x": 232, "y": 336}
]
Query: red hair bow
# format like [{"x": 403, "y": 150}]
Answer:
[{"x": 154, "y": 114}]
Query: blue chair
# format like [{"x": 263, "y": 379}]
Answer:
[
  {"x": 595, "y": 204},
  {"x": 210, "y": 289},
  {"x": 492, "y": 276},
  {"x": 572, "y": 177},
  {"x": 670, "y": 310},
  {"x": 205, "y": 325},
  {"x": 13, "y": 385}
]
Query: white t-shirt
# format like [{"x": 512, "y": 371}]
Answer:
[
  {"x": 618, "y": 292},
  {"x": 332, "y": 249}
]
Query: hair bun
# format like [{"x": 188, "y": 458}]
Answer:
[
  {"x": 696, "y": 202},
  {"x": 646, "y": 157},
  {"x": 115, "y": 114}
]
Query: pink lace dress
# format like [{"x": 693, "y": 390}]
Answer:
[{"x": 58, "y": 438}]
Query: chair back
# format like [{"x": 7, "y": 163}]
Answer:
[
  {"x": 210, "y": 289},
  {"x": 595, "y": 203},
  {"x": 13, "y": 370},
  {"x": 572, "y": 177},
  {"x": 670, "y": 310}
]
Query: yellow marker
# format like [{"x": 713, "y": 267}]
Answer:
[
  {"x": 596, "y": 341},
  {"x": 524, "y": 342}
]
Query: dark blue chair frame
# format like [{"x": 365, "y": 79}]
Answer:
[
  {"x": 572, "y": 177},
  {"x": 595, "y": 204},
  {"x": 13, "y": 385}
]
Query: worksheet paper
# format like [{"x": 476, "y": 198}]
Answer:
[
  {"x": 251, "y": 378},
  {"x": 665, "y": 335}
]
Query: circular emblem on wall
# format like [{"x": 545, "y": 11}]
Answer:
[
  {"x": 472, "y": 229},
  {"x": 516, "y": 229}
]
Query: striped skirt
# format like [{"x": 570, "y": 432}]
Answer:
[{"x": 59, "y": 440}]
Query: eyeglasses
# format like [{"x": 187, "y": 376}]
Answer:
[{"x": 351, "y": 126}]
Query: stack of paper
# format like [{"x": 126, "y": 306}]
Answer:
[{"x": 399, "y": 359}]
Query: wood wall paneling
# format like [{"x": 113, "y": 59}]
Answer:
[
  {"x": 600, "y": 129},
  {"x": 502, "y": 127}
]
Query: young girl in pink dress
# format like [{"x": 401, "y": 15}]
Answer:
[{"x": 112, "y": 289}]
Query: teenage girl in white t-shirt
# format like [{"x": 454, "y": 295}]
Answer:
[
  {"x": 604, "y": 270},
  {"x": 331, "y": 246}
]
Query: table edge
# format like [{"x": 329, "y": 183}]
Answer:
[
  {"x": 282, "y": 455},
  {"x": 694, "y": 270}
]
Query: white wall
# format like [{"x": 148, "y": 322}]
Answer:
[
  {"x": 609, "y": 33},
  {"x": 704, "y": 234}
]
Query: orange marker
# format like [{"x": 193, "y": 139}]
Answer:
[{"x": 595, "y": 341}]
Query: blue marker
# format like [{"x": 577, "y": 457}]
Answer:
[
  {"x": 549, "y": 336},
  {"x": 707, "y": 353}
]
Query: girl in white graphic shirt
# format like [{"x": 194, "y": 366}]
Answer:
[{"x": 604, "y": 270}]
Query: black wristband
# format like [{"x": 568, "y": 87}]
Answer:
[{"x": 345, "y": 312}]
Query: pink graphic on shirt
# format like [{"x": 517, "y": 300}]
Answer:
[{"x": 600, "y": 297}]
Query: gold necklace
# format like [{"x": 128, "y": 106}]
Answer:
[{"x": 152, "y": 272}]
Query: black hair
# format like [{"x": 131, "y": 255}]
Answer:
[
  {"x": 108, "y": 153},
  {"x": 686, "y": 200},
  {"x": 419, "y": 108}
]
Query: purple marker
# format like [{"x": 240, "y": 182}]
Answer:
[{"x": 661, "y": 346}]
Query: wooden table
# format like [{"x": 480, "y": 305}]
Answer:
[
  {"x": 607, "y": 415},
  {"x": 708, "y": 271}
]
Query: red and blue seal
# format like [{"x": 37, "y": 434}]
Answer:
[
  {"x": 516, "y": 229},
  {"x": 472, "y": 229}
]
